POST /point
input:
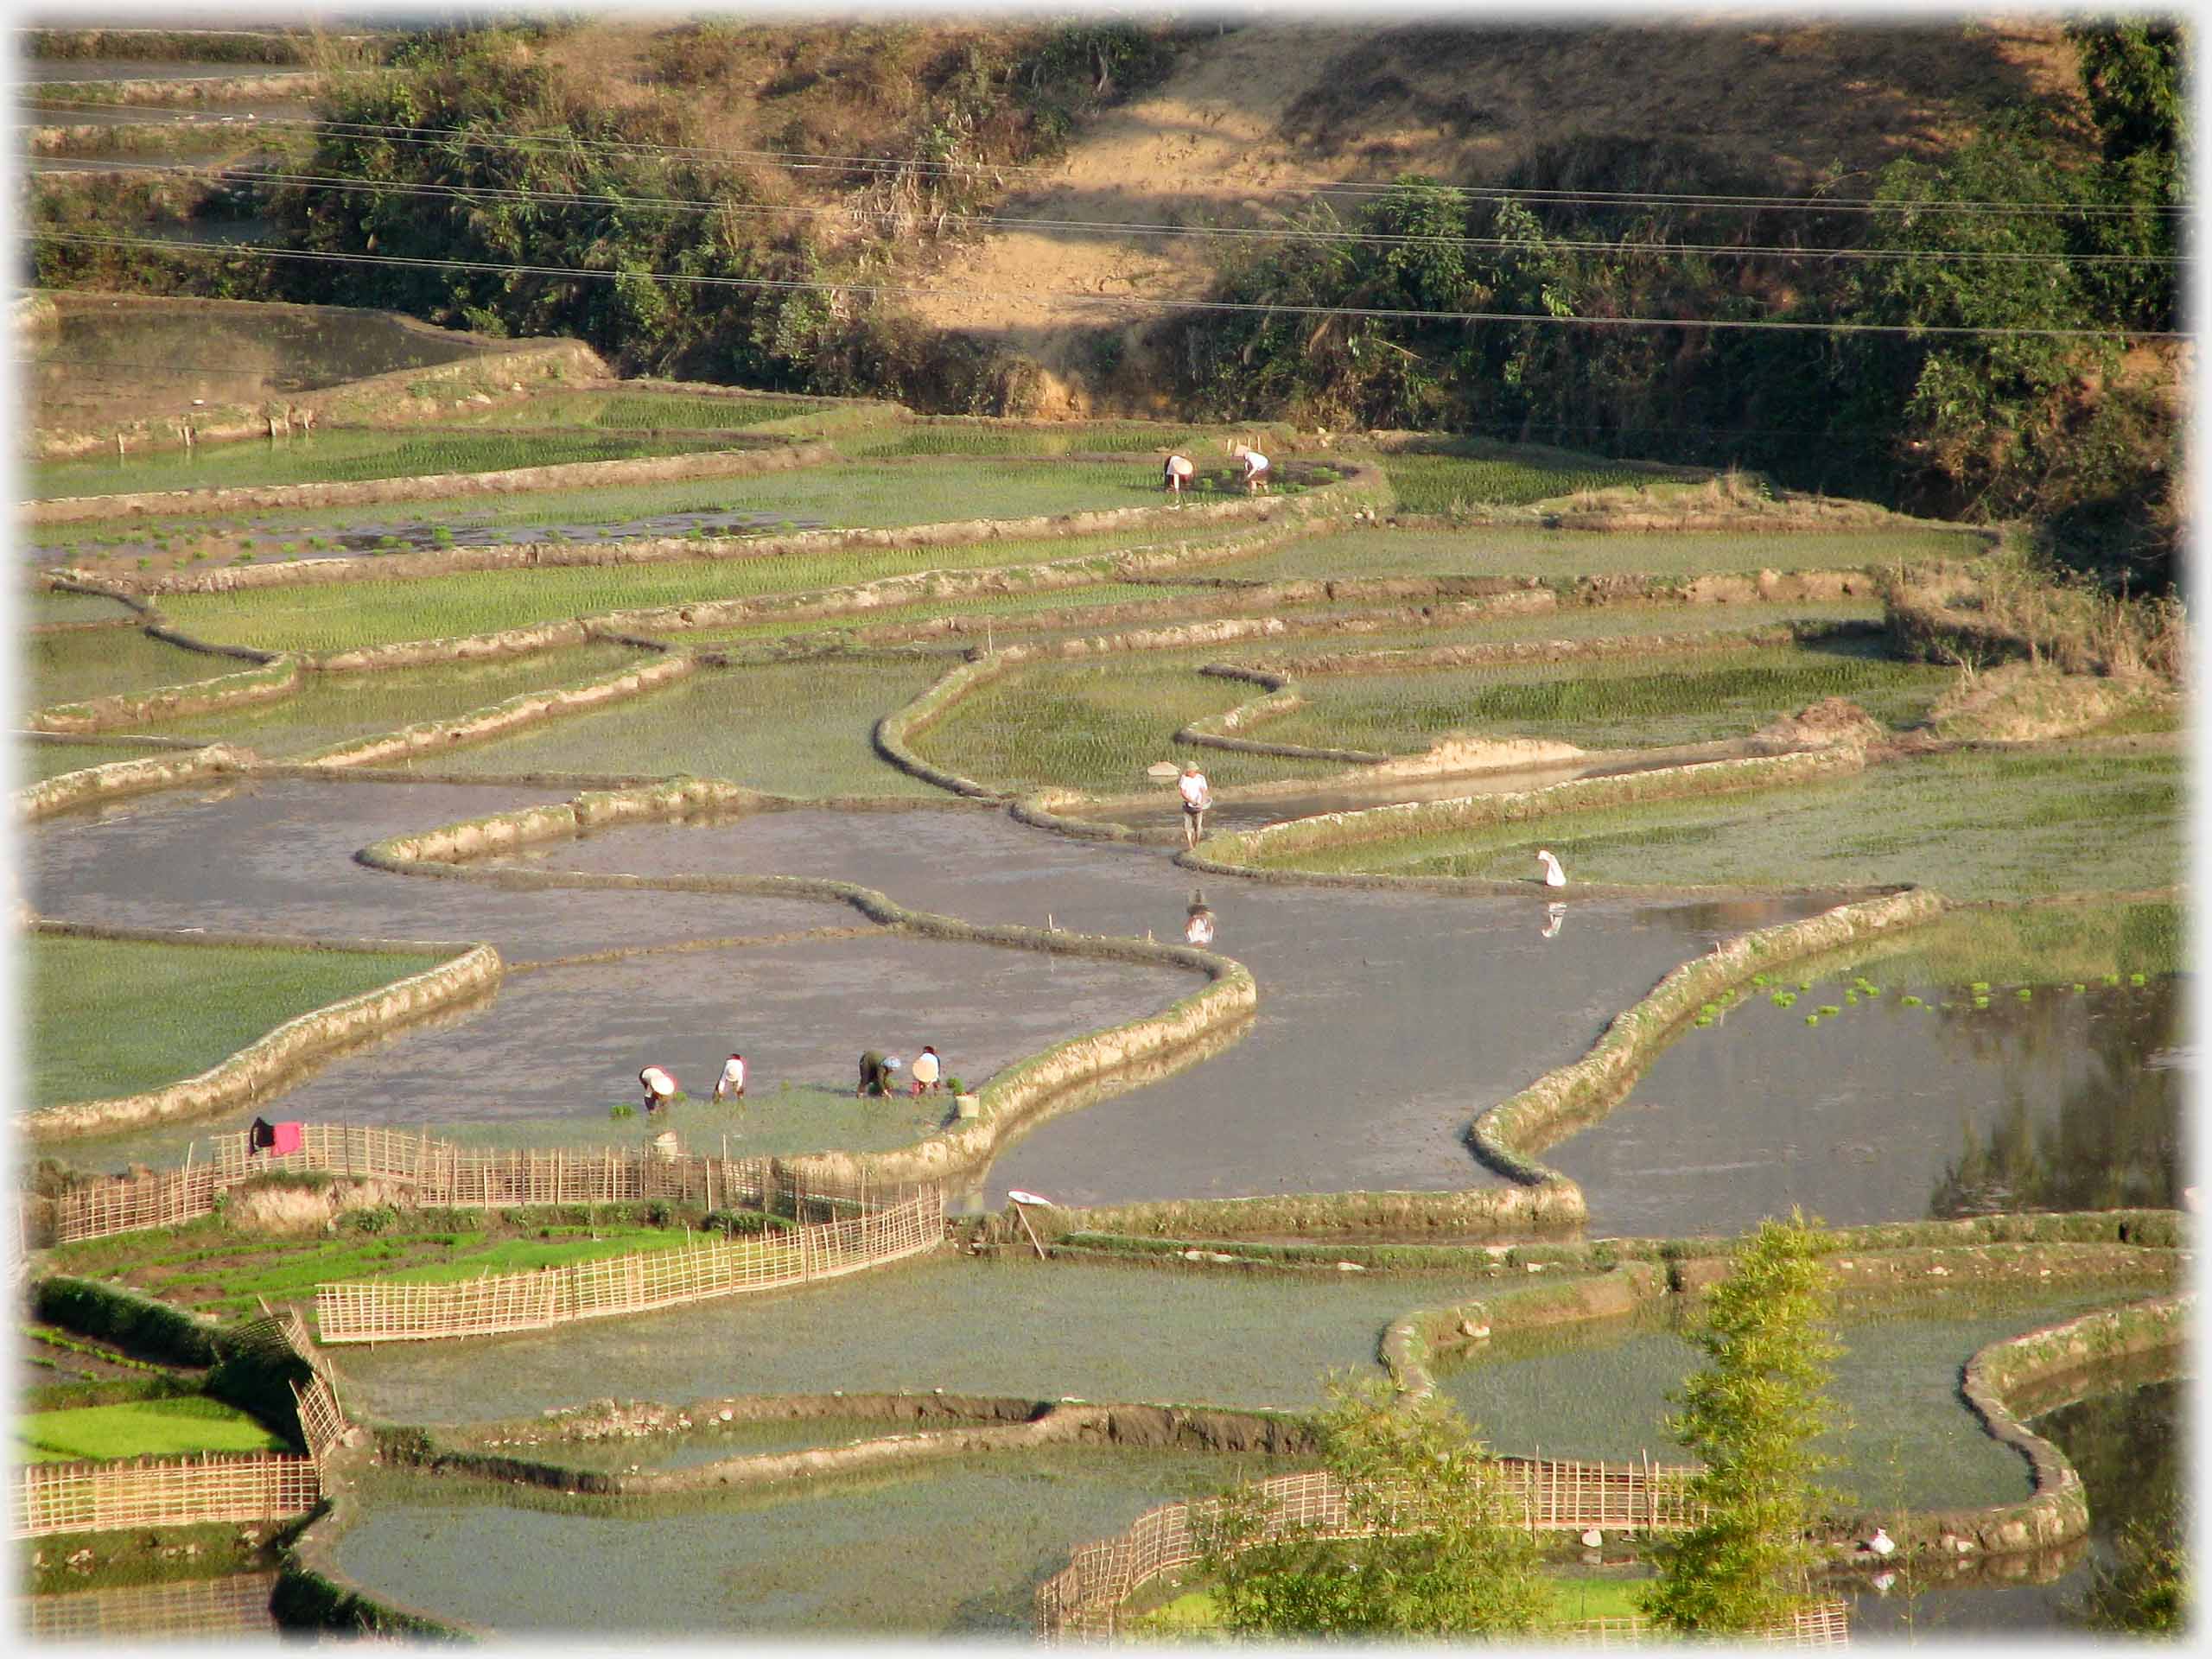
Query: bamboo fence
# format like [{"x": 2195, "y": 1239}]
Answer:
[
  {"x": 237, "y": 1606},
  {"x": 54, "y": 1497},
  {"x": 1085, "y": 1598},
  {"x": 440, "y": 1172},
  {"x": 640, "y": 1282}
]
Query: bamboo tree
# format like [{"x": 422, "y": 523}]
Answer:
[{"x": 1750, "y": 1415}]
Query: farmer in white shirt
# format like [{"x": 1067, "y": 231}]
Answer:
[
  {"x": 733, "y": 1083},
  {"x": 1197, "y": 928},
  {"x": 660, "y": 1087},
  {"x": 928, "y": 1072},
  {"x": 1256, "y": 469},
  {"x": 1196, "y": 796},
  {"x": 1172, "y": 476}
]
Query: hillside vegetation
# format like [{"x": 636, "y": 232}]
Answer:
[{"x": 628, "y": 148}]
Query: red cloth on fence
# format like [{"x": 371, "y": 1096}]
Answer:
[{"x": 286, "y": 1139}]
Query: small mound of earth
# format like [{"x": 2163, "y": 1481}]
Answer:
[{"x": 1829, "y": 723}]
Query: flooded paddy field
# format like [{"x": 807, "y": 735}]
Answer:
[
  {"x": 797, "y": 728},
  {"x": 286, "y": 865},
  {"x": 1495, "y": 549},
  {"x": 953, "y": 1550},
  {"x": 2129, "y": 1444},
  {"x": 967, "y": 1324},
  {"x": 110, "y": 359},
  {"x": 1386, "y": 1020},
  {"x": 1598, "y": 1390},
  {"x": 1927, "y": 1098},
  {"x": 565, "y": 1045}
]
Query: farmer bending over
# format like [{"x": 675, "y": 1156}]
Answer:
[
  {"x": 1196, "y": 796},
  {"x": 927, "y": 1072},
  {"x": 732, "y": 1085},
  {"x": 1172, "y": 476},
  {"x": 1256, "y": 469},
  {"x": 660, "y": 1088},
  {"x": 875, "y": 1074}
]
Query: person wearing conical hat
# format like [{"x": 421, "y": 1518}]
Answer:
[{"x": 732, "y": 1086}]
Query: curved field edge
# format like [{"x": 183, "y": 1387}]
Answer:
[
  {"x": 1007, "y": 1102},
  {"x": 263, "y": 1066},
  {"x": 2057, "y": 1509}
]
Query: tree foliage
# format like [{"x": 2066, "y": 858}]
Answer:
[
  {"x": 1750, "y": 1415},
  {"x": 1452, "y": 1554}
]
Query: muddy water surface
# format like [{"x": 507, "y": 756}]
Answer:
[
  {"x": 1386, "y": 1020},
  {"x": 1885, "y": 1111},
  {"x": 542, "y": 1062},
  {"x": 954, "y": 1550},
  {"x": 966, "y": 1324}
]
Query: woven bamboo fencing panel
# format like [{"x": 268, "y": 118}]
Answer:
[
  {"x": 438, "y": 1171},
  {"x": 1083, "y": 1598},
  {"x": 322, "y": 1424},
  {"x": 173, "y": 1491},
  {"x": 143, "y": 1612},
  {"x": 638, "y": 1282}
]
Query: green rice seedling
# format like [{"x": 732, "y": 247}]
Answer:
[
  {"x": 1910, "y": 1001},
  {"x": 441, "y": 535},
  {"x": 109, "y": 1017},
  {"x": 1812, "y": 1019},
  {"x": 1981, "y": 1001},
  {"x": 2079, "y": 986},
  {"x": 2023, "y": 992},
  {"x": 1830, "y": 1007},
  {"x": 2135, "y": 979}
]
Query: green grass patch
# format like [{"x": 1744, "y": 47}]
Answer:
[
  {"x": 344, "y": 456},
  {"x": 793, "y": 728},
  {"x": 1490, "y": 550},
  {"x": 1204, "y": 445},
  {"x": 1016, "y": 614},
  {"x": 1648, "y": 702},
  {"x": 140, "y": 1428},
  {"x": 45, "y": 607},
  {"x": 1973, "y": 825},
  {"x": 62, "y": 668},
  {"x": 108, "y": 1017}
]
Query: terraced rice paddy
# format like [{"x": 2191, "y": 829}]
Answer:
[
  {"x": 1443, "y": 483},
  {"x": 344, "y": 454},
  {"x": 791, "y": 728},
  {"x": 965, "y": 1326},
  {"x": 1565, "y": 554},
  {"x": 1973, "y": 825},
  {"x": 630, "y": 411},
  {"x": 112, "y": 1018},
  {"x": 333, "y": 709},
  {"x": 754, "y": 1564},
  {"x": 1644, "y": 702},
  {"x": 47, "y": 608},
  {"x": 1205, "y": 446},
  {"x": 140, "y": 1428},
  {"x": 1094, "y": 727},
  {"x": 710, "y": 1442},
  {"x": 1599, "y": 1391},
  {"x": 60, "y": 668},
  {"x": 343, "y": 616},
  {"x": 35, "y": 762}
]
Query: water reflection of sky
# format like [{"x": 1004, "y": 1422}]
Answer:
[{"x": 1885, "y": 1111}]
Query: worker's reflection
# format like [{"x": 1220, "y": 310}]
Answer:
[
  {"x": 1553, "y": 915},
  {"x": 1197, "y": 925}
]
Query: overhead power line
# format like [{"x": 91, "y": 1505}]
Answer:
[
  {"x": 800, "y": 161},
  {"x": 1114, "y": 228},
  {"x": 1159, "y": 302}
]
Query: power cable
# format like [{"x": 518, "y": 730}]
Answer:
[
  {"x": 1112, "y": 228},
  {"x": 883, "y": 290},
  {"x": 801, "y": 161}
]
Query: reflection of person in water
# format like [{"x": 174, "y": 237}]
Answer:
[
  {"x": 1553, "y": 915},
  {"x": 1197, "y": 928}
]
